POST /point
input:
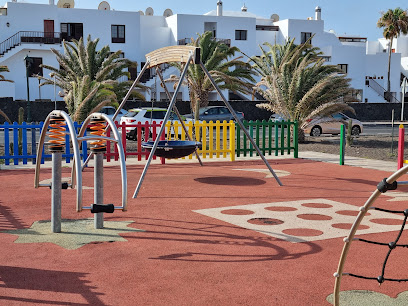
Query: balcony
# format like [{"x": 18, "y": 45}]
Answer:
[
  {"x": 32, "y": 37},
  {"x": 186, "y": 41}
]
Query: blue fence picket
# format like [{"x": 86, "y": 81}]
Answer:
[
  {"x": 24, "y": 144},
  {"x": 15, "y": 142},
  {"x": 6, "y": 144},
  {"x": 33, "y": 144}
]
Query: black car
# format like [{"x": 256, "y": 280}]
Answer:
[{"x": 214, "y": 113}]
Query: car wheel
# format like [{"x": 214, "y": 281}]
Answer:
[
  {"x": 316, "y": 131},
  {"x": 133, "y": 135},
  {"x": 355, "y": 130}
]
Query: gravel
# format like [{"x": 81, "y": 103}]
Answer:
[{"x": 371, "y": 147}]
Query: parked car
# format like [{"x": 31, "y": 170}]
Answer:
[
  {"x": 214, "y": 113},
  {"x": 153, "y": 115},
  {"x": 332, "y": 125},
  {"x": 110, "y": 111},
  {"x": 277, "y": 117}
]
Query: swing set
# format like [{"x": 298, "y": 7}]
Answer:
[{"x": 179, "y": 148}]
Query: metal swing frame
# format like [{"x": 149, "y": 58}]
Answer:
[{"x": 187, "y": 55}]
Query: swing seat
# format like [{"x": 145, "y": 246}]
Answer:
[{"x": 172, "y": 148}]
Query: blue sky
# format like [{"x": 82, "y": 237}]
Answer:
[{"x": 352, "y": 17}]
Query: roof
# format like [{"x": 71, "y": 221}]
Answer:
[{"x": 234, "y": 14}]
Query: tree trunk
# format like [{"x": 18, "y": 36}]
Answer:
[{"x": 301, "y": 135}]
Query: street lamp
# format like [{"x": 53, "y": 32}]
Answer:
[{"x": 28, "y": 63}]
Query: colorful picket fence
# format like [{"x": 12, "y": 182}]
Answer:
[
  {"x": 271, "y": 137},
  {"x": 26, "y": 149},
  {"x": 219, "y": 140}
]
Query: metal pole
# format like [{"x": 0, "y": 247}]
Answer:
[
  {"x": 131, "y": 89},
  {"x": 166, "y": 117},
  {"x": 342, "y": 143},
  {"x": 28, "y": 97},
  {"x": 177, "y": 112},
  {"x": 404, "y": 87},
  {"x": 55, "y": 95},
  {"x": 56, "y": 192},
  {"x": 98, "y": 188},
  {"x": 392, "y": 132},
  {"x": 240, "y": 123}
]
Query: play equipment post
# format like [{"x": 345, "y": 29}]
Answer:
[
  {"x": 56, "y": 192},
  {"x": 401, "y": 140},
  {"x": 342, "y": 143}
]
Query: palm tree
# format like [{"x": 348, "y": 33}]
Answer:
[
  {"x": 87, "y": 76},
  {"x": 394, "y": 23},
  {"x": 2, "y": 78},
  {"x": 296, "y": 83},
  {"x": 232, "y": 74}
]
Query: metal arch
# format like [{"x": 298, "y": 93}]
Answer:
[
  {"x": 347, "y": 241},
  {"x": 121, "y": 152},
  {"x": 75, "y": 146}
]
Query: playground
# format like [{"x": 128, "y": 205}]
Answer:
[
  {"x": 225, "y": 233},
  {"x": 243, "y": 232}
]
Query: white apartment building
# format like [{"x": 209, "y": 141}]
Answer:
[{"x": 28, "y": 29}]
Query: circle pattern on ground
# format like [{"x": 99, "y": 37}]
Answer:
[
  {"x": 387, "y": 221},
  {"x": 265, "y": 221},
  {"x": 315, "y": 217},
  {"x": 238, "y": 212},
  {"x": 311, "y": 214},
  {"x": 317, "y": 205},
  {"x": 302, "y": 232},
  {"x": 350, "y": 213},
  {"x": 280, "y": 208},
  {"x": 348, "y": 226}
]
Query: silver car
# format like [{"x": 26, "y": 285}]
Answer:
[{"x": 332, "y": 125}]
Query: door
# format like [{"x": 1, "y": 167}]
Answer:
[{"x": 49, "y": 28}]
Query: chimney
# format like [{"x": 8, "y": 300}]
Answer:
[
  {"x": 219, "y": 8},
  {"x": 318, "y": 13}
]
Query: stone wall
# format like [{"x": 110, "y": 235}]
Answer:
[
  {"x": 364, "y": 111},
  {"x": 40, "y": 110}
]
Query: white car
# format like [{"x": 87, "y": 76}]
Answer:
[
  {"x": 151, "y": 115},
  {"x": 110, "y": 111}
]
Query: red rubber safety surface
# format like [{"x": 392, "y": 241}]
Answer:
[{"x": 186, "y": 258}]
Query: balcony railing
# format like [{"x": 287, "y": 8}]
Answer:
[
  {"x": 381, "y": 91},
  {"x": 29, "y": 37},
  {"x": 186, "y": 41}
]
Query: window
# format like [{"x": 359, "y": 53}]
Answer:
[
  {"x": 240, "y": 34},
  {"x": 34, "y": 67},
  {"x": 343, "y": 67},
  {"x": 353, "y": 39},
  {"x": 267, "y": 28},
  {"x": 133, "y": 73},
  {"x": 325, "y": 58},
  {"x": 72, "y": 31},
  {"x": 304, "y": 36},
  {"x": 118, "y": 33}
]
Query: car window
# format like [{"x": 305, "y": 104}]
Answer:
[
  {"x": 224, "y": 110},
  {"x": 213, "y": 111},
  {"x": 132, "y": 113},
  {"x": 339, "y": 117},
  {"x": 111, "y": 111},
  {"x": 155, "y": 114}
]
